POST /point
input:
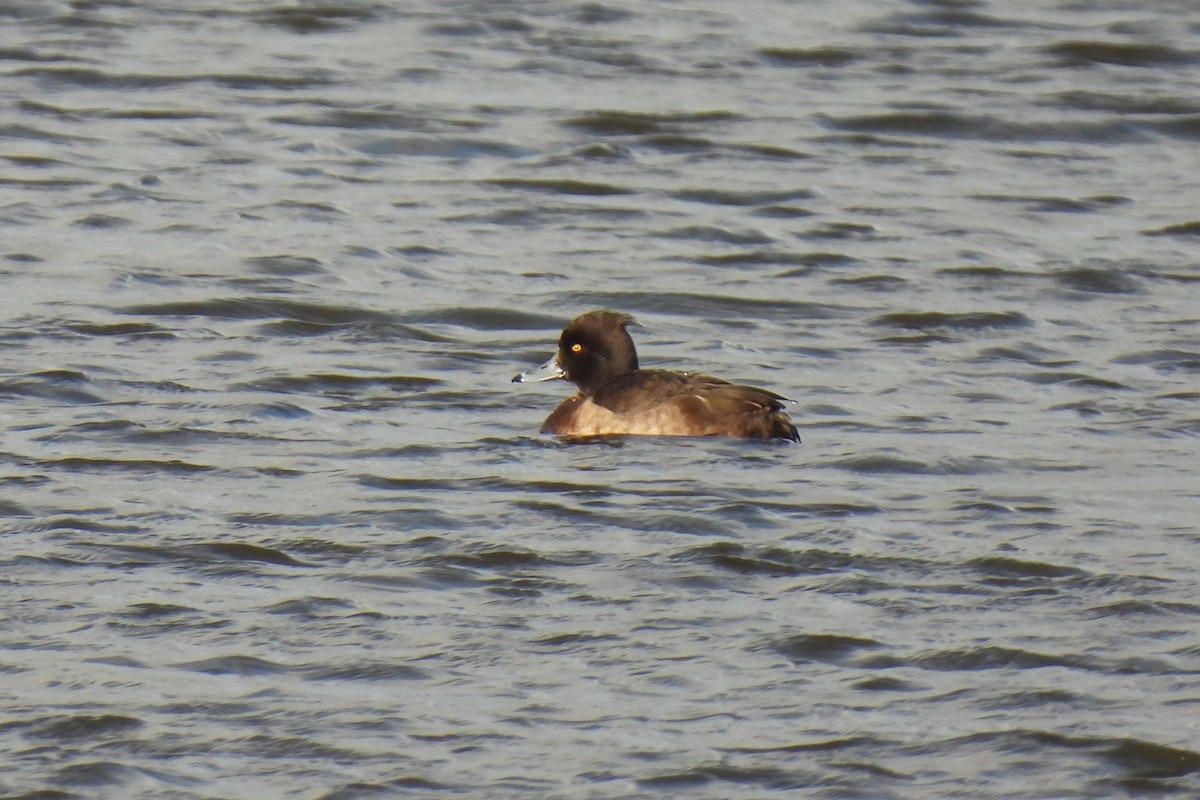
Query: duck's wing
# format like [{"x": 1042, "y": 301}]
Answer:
[
  {"x": 647, "y": 389},
  {"x": 697, "y": 404}
]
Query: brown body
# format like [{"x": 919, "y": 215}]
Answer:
[{"x": 616, "y": 397}]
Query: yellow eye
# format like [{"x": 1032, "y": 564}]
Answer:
[{"x": 577, "y": 348}]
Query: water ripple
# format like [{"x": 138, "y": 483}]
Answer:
[{"x": 276, "y": 519}]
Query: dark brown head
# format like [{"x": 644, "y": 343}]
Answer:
[{"x": 594, "y": 350}]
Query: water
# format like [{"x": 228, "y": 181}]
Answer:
[{"x": 276, "y": 523}]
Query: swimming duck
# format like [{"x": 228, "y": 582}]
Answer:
[{"x": 615, "y": 397}]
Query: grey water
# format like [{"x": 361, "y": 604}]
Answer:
[{"x": 276, "y": 524}]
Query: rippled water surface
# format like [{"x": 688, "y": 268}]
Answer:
[{"x": 276, "y": 523}]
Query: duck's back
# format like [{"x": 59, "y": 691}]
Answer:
[{"x": 667, "y": 403}]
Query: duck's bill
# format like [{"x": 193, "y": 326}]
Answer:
[{"x": 546, "y": 372}]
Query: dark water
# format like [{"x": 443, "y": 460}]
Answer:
[{"x": 276, "y": 524}]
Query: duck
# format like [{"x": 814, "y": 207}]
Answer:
[{"x": 616, "y": 397}]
